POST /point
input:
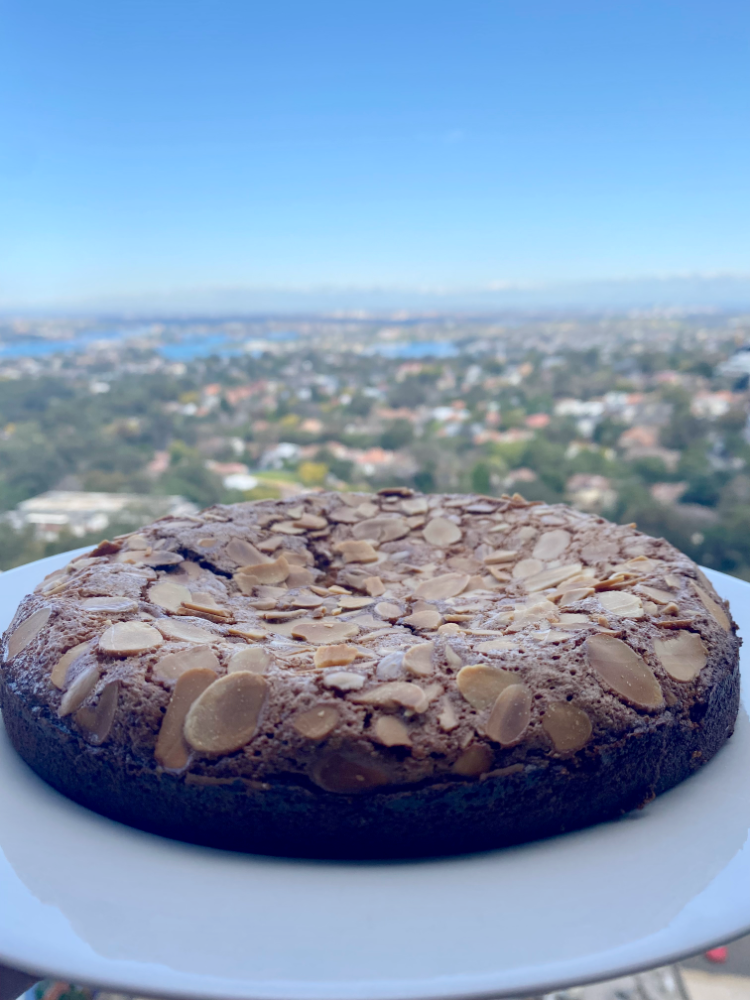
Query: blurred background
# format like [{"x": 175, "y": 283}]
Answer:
[{"x": 249, "y": 250}]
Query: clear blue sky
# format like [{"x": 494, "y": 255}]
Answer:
[{"x": 168, "y": 145}]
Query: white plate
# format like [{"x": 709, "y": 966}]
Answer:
[{"x": 89, "y": 900}]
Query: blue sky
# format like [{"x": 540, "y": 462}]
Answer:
[{"x": 161, "y": 148}]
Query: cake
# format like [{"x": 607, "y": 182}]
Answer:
[{"x": 363, "y": 676}]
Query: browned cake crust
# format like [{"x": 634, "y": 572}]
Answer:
[{"x": 371, "y": 676}]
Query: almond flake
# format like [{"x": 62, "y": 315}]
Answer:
[
  {"x": 248, "y": 577},
  {"x": 441, "y": 532},
  {"x": 172, "y": 666},
  {"x": 551, "y": 545},
  {"x": 316, "y": 723},
  {"x": 59, "y": 672},
  {"x": 242, "y": 553},
  {"x": 416, "y": 506},
  {"x": 567, "y": 726},
  {"x": 374, "y": 586},
  {"x": 480, "y": 685},
  {"x": 225, "y": 717},
  {"x": 424, "y": 620},
  {"x": 357, "y": 551},
  {"x": 391, "y": 732},
  {"x": 97, "y": 722},
  {"x": 354, "y": 603},
  {"x": 510, "y": 715},
  {"x": 500, "y": 556},
  {"x": 344, "y": 680},
  {"x": 395, "y": 694},
  {"x": 447, "y": 718},
  {"x": 79, "y": 690},
  {"x": 620, "y": 602},
  {"x": 391, "y": 612},
  {"x": 418, "y": 659},
  {"x": 322, "y": 633},
  {"x": 714, "y": 609},
  {"x": 129, "y": 639},
  {"x": 440, "y": 588},
  {"x": 473, "y": 761},
  {"x": 526, "y": 568},
  {"x": 171, "y": 749},
  {"x": 656, "y": 595},
  {"x": 27, "y": 631},
  {"x": 168, "y": 595},
  {"x": 683, "y": 656},
  {"x": 179, "y": 631},
  {"x": 551, "y": 577},
  {"x": 494, "y": 646},
  {"x": 339, "y": 655},
  {"x": 624, "y": 671},
  {"x": 570, "y": 597},
  {"x": 254, "y": 659}
]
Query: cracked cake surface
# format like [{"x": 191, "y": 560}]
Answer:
[{"x": 352, "y": 675}]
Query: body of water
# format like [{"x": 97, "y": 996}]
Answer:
[{"x": 415, "y": 349}]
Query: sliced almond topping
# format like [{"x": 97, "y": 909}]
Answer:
[
  {"x": 254, "y": 659},
  {"x": 344, "y": 515},
  {"x": 116, "y": 605},
  {"x": 317, "y": 722},
  {"x": 440, "y": 588},
  {"x": 374, "y": 586},
  {"x": 526, "y": 568},
  {"x": 623, "y": 670},
  {"x": 395, "y": 694},
  {"x": 381, "y": 529},
  {"x": 392, "y": 732},
  {"x": 510, "y": 715},
  {"x": 353, "y": 603},
  {"x": 251, "y": 634},
  {"x": 501, "y": 556},
  {"x": 210, "y": 609},
  {"x": 441, "y": 532},
  {"x": 495, "y": 645},
  {"x": 673, "y": 581},
  {"x": 282, "y": 616},
  {"x": 262, "y": 573},
  {"x": 163, "y": 558},
  {"x": 391, "y": 612},
  {"x": 28, "y": 630},
  {"x": 567, "y": 726},
  {"x": 573, "y": 619},
  {"x": 416, "y": 506},
  {"x": 225, "y": 717},
  {"x": 79, "y": 690},
  {"x": 551, "y": 545},
  {"x": 129, "y": 638},
  {"x": 620, "y": 602},
  {"x": 243, "y": 553},
  {"x": 323, "y": 632},
  {"x": 347, "y": 775},
  {"x": 344, "y": 680},
  {"x": 307, "y": 600},
  {"x": 171, "y": 749},
  {"x": 682, "y": 656},
  {"x": 473, "y": 761},
  {"x": 357, "y": 551},
  {"x": 451, "y": 656},
  {"x": 714, "y": 609},
  {"x": 208, "y": 543},
  {"x": 550, "y": 635},
  {"x": 97, "y": 721},
  {"x": 311, "y": 522},
  {"x": 172, "y": 666},
  {"x": 418, "y": 659},
  {"x": 179, "y": 631},
  {"x": 656, "y": 595},
  {"x": 570, "y": 597},
  {"x": 447, "y": 718},
  {"x": 499, "y": 574},
  {"x": 300, "y": 577},
  {"x": 551, "y": 577},
  {"x": 427, "y": 619},
  {"x": 339, "y": 655},
  {"x": 480, "y": 685},
  {"x": 168, "y": 595},
  {"x": 60, "y": 670}
]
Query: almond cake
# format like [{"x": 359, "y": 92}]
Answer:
[{"x": 362, "y": 676}]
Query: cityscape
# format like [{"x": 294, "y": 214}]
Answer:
[{"x": 642, "y": 417}]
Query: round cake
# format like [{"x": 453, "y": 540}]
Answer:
[{"x": 362, "y": 676}]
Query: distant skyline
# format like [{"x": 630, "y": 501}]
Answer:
[{"x": 192, "y": 155}]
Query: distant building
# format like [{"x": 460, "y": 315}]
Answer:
[
  {"x": 81, "y": 513},
  {"x": 590, "y": 492}
]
